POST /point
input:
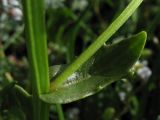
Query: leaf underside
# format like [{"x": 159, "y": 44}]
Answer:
[{"x": 110, "y": 63}]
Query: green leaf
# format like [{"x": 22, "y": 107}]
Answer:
[
  {"x": 110, "y": 63},
  {"x": 98, "y": 43}
]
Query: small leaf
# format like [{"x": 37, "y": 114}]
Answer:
[
  {"x": 110, "y": 63},
  {"x": 24, "y": 100}
]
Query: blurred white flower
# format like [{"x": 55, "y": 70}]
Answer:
[
  {"x": 16, "y": 13},
  {"x": 144, "y": 72},
  {"x": 5, "y": 3},
  {"x": 122, "y": 96},
  {"x": 13, "y": 9},
  {"x": 79, "y": 4},
  {"x": 14, "y": 3},
  {"x": 155, "y": 40},
  {"x": 54, "y": 4}
]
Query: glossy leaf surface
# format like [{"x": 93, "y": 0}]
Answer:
[{"x": 111, "y": 63}]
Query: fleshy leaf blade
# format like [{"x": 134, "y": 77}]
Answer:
[{"x": 109, "y": 64}]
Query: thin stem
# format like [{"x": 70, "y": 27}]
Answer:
[
  {"x": 37, "y": 52},
  {"x": 60, "y": 112},
  {"x": 129, "y": 10}
]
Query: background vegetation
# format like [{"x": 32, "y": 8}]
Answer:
[{"x": 78, "y": 23}]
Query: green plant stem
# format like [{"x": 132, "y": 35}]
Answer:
[
  {"x": 37, "y": 52},
  {"x": 129, "y": 10},
  {"x": 60, "y": 112}
]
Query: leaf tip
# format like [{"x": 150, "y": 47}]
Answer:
[
  {"x": 141, "y": 39},
  {"x": 144, "y": 34}
]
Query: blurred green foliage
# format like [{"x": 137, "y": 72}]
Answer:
[{"x": 71, "y": 26}]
